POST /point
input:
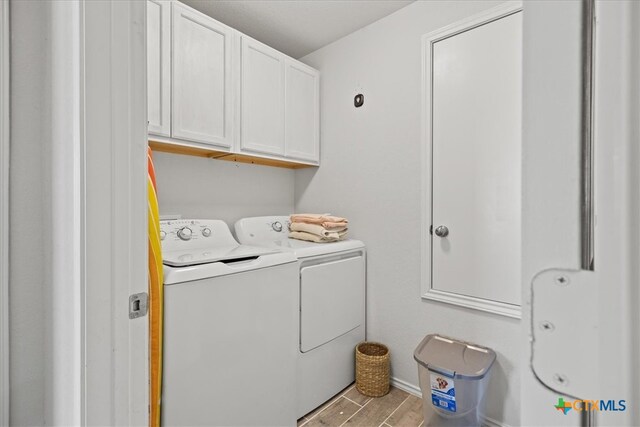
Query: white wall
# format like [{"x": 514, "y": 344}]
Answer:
[
  {"x": 370, "y": 173},
  {"x": 197, "y": 187}
]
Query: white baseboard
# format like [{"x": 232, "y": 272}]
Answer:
[
  {"x": 405, "y": 386},
  {"x": 490, "y": 422},
  {"x": 415, "y": 390}
]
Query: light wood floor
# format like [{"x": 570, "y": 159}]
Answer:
[{"x": 350, "y": 408}]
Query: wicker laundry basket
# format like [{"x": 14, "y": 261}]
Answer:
[{"x": 372, "y": 369}]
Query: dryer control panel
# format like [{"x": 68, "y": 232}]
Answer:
[{"x": 262, "y": 229}]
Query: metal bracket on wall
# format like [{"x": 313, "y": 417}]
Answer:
[{"x": 564, "y": 328}]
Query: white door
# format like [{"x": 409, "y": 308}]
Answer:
[
  {"x": 302, "y": 112},
  {"x": 262, "y": 98},
  {"x": 476, "y": 143},
  {"x": 202, "y": 82},
  {"x": 159, "y": 66}
]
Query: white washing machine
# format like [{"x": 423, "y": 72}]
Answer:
[
  {"x": 332, "y": 280},
  {"x": 230, "y": 318}
]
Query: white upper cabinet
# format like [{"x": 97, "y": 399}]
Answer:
[
  {"x": 214, "y": 89},
  {"x": 159, "y": 66},
  {"x": 302, "y": 115},
  {"x": 262, "y": 98},
  {"x": 203, "y": 95}
]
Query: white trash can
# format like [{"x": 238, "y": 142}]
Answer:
[{"x": 453, "y": 379}]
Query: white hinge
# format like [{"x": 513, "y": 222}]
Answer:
[{"x": 564, "y": 320}]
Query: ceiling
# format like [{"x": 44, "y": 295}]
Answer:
[{"x": 297, "y": 27}]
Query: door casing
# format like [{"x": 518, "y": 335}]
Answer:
[{"x": 428, "y": 291}]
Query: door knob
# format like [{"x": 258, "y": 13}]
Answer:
[{"x": 442, "y": 231}]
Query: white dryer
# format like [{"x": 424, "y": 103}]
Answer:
[
  {"x": 230, "y": 317},
  {"x": 332, "y": 281}
]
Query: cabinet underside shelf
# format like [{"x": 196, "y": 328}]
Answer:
[{"x": 189, "y": 150}]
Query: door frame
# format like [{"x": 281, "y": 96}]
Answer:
[
  {"x": 98, "y": 371},
  {"x": 4, "y": 212},
  {"x": 94, "y": 153},
  {"x": 428, "y": 40},
  {"x": 114, "y": 259}
]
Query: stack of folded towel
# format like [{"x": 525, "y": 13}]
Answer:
[{"x": 319, "y": 228}]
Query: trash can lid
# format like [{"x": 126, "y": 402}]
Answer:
[{"x": 453, "y": 358}]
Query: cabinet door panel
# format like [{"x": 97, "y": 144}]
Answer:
[
  {"x": 262, "y": 98},
  {"x": 202, "y": 83},
  {"x": 302, "y": 112},
  {"x": 337, "y": 288},
  {"x": 159, "y": 66}
]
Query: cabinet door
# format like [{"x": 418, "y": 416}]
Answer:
[
  {"x": 302, "y": 116},
  {"x": 262, "y": 98},
  {"x": 202, "y": 83},
  {"x": 159, "y": 66}
]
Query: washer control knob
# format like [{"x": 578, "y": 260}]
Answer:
[
  {"x": 162, "y": 235},
  {"x": 277, "y": 226},
  {"x": 206, "y": 232},
  {"x": 185, "y": 233}
]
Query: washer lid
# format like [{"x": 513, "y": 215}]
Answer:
[
  {"x": 453, "y": 358},
  {"x": 210, "y": 270},
  {"x": 183, "y": 258}
]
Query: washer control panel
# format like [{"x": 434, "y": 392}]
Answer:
[{"x": 184, "y": 234}]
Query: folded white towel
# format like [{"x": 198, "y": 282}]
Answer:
[
  {"x": 316, "y": 229},
  {"x": 301, "y": 235}
]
